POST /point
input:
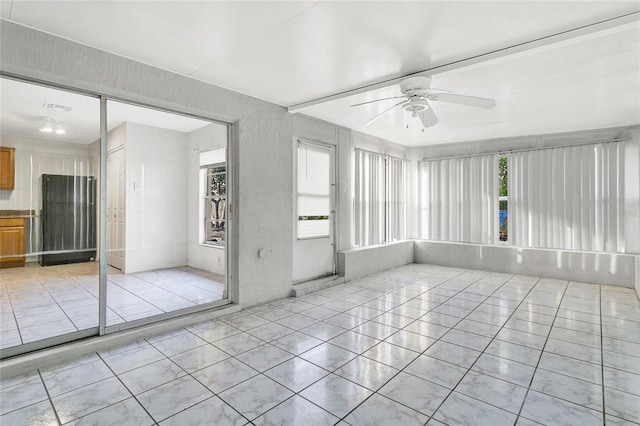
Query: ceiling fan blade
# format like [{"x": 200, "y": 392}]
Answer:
[
  {"x": 463, "y": 100},
  {"x": 378, "y": 100},
  {"x": 382, "y": 113},
  {"x": 428, "y": 117}
]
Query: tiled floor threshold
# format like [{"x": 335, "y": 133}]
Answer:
[{"x": 418, "y": 344}]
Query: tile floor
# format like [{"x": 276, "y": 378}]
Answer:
[
  {"x": 65, "y": 297},
  {"x": 418, "y": 344}
]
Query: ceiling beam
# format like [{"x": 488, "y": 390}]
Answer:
[{"x": 537, "y": 43}]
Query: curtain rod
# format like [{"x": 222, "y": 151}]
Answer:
[
  {"x": 509, "y": 151},
  {"x": 382, "y": 154}
]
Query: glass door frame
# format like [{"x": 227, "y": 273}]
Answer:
[{"x": 230, "y": 294}]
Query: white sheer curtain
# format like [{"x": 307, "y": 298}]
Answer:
[
  {"x": 369, "y": 198},
  {"x": 459, "y": 199},
  {"x": 568, "y": 198},
  {"x": 396, "y": 200}
]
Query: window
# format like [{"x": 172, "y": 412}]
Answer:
[
  {"x": 458, "y": 199},
  {"x": 380, "y": 198},
  {"x": 568, "y": 197},
  {"x": 214, "y": 197},
  {"x": 503, "y": 191},
  {"x": 314, "y": 191}
]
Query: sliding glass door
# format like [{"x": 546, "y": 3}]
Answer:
[{"x": 76, "y": 260}]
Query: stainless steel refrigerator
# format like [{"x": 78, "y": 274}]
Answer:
[{"x": 68, "y": 219}]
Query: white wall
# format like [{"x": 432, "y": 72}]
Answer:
[
  {"x": 33, "y": 158},
  {"x": 156, "y": 198},
  {"x": 261, "y": 148},
  {"x": 201, "y": 256}
]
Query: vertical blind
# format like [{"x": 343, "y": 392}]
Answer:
[
  {"x": 369, "y": 198},
  {"x": 396, "y": 202},
  {"x": 568, "y": 198},
  {"x": 458, "y": 199}
]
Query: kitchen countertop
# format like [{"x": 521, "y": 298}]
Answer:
[{"x": 17, "y": 214}]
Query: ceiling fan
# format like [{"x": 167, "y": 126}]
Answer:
[{"x": 416, "y": 94}]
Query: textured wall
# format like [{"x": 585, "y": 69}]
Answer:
[{"x": 263, "y": 156}]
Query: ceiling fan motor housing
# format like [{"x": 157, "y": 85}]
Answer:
[{"x": 415, "y": 86}]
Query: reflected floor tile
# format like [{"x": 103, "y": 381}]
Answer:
[
  {"x": 468, "y": 340},
  {"x": 454, "y": 354},
  {"x": 224, "y": 375},
  {"x": 383, "y": 411},
  {"x": 137, "y": 357},
  {"x": 414, "y": 392},
  {"x": 296, "y": 411},
  {"x": 622, "y": 404},
  {"x": 264, "y": 357},
  {"x": 336, "y": 395},
  {"x": 297, "y": 343},
  {"x": 149, "y": 376},
  {"x": 22, "y": 394},
  {"x": 200, "y": 357},
  {"x": 460, "y": 409},
  {"x": 121, "y": 413},
  {"x": 211, "y": 411},
  {"x": 323, "y": 331},
  {"x": 180, "y": 343},
  {"x": 573, "y": 350},
  {"x": 505, "y": 369},
  {"x": 437, "y": 371},
  {"x": 173, "y": 397},
  {"x": 546, "y": 409},
  {"x": 366, "y": 372},
  {"x": 622, "y": 380},
  {"x": 269, "y": 332},
  {"x": 68, "y": 379},
  {"x": 412, "y": 341},
  {"x": 499, "y": 393},
  {"x": 354, "y": 342},
  {"x": 568, "y": 388},
  {"x": 427, "y": 329},
  {"x": 571, "y": 367},
  {"x": 391, "y": 355},
  {"x": 328, "y": 356},
  {"x": 296, "y": 374},
  {"x": 255, "y": 396},
  {"x": 39, "y": 413},
  {"x": 216, "y": 332},
  {"x": 514, "y": 352},
  {"x": 238, "y": 343},
  {"x": 85, "y": 400}
]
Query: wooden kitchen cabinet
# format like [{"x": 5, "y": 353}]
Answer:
[
  {"x": 7, "y": 167},
  {"x": 12, "y": 243}
]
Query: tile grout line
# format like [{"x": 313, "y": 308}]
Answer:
[
  {"x": 436, "y": 341},
  {"x": 485, "y": 348},
  {"x": 127, "y": 388},
  {"x": 53, "y": 407},
  {"x": 604, "y": 407},
  {"x": 535, "y": 370}
]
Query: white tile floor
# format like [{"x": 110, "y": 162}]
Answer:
[
  {"x": 40, "y": 302},
  {"x": 413, "y": 345}
]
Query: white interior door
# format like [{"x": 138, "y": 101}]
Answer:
[
  {"x": 314, "y": 237},
  {"x": 115, "y": 208}
]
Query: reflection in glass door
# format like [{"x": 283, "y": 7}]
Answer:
[
  {"x": 165, "y": 243},
  {"x": 48, "y": 216}
]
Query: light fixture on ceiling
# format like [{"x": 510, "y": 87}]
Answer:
[
  {"x": 52, "y": 126},
  {"x": 47, "y": 126}
]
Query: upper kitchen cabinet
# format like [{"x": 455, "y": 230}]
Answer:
[{"x": 7, "y": 167}]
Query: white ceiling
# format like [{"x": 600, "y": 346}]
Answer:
[{"x": 297, "y": 51}]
